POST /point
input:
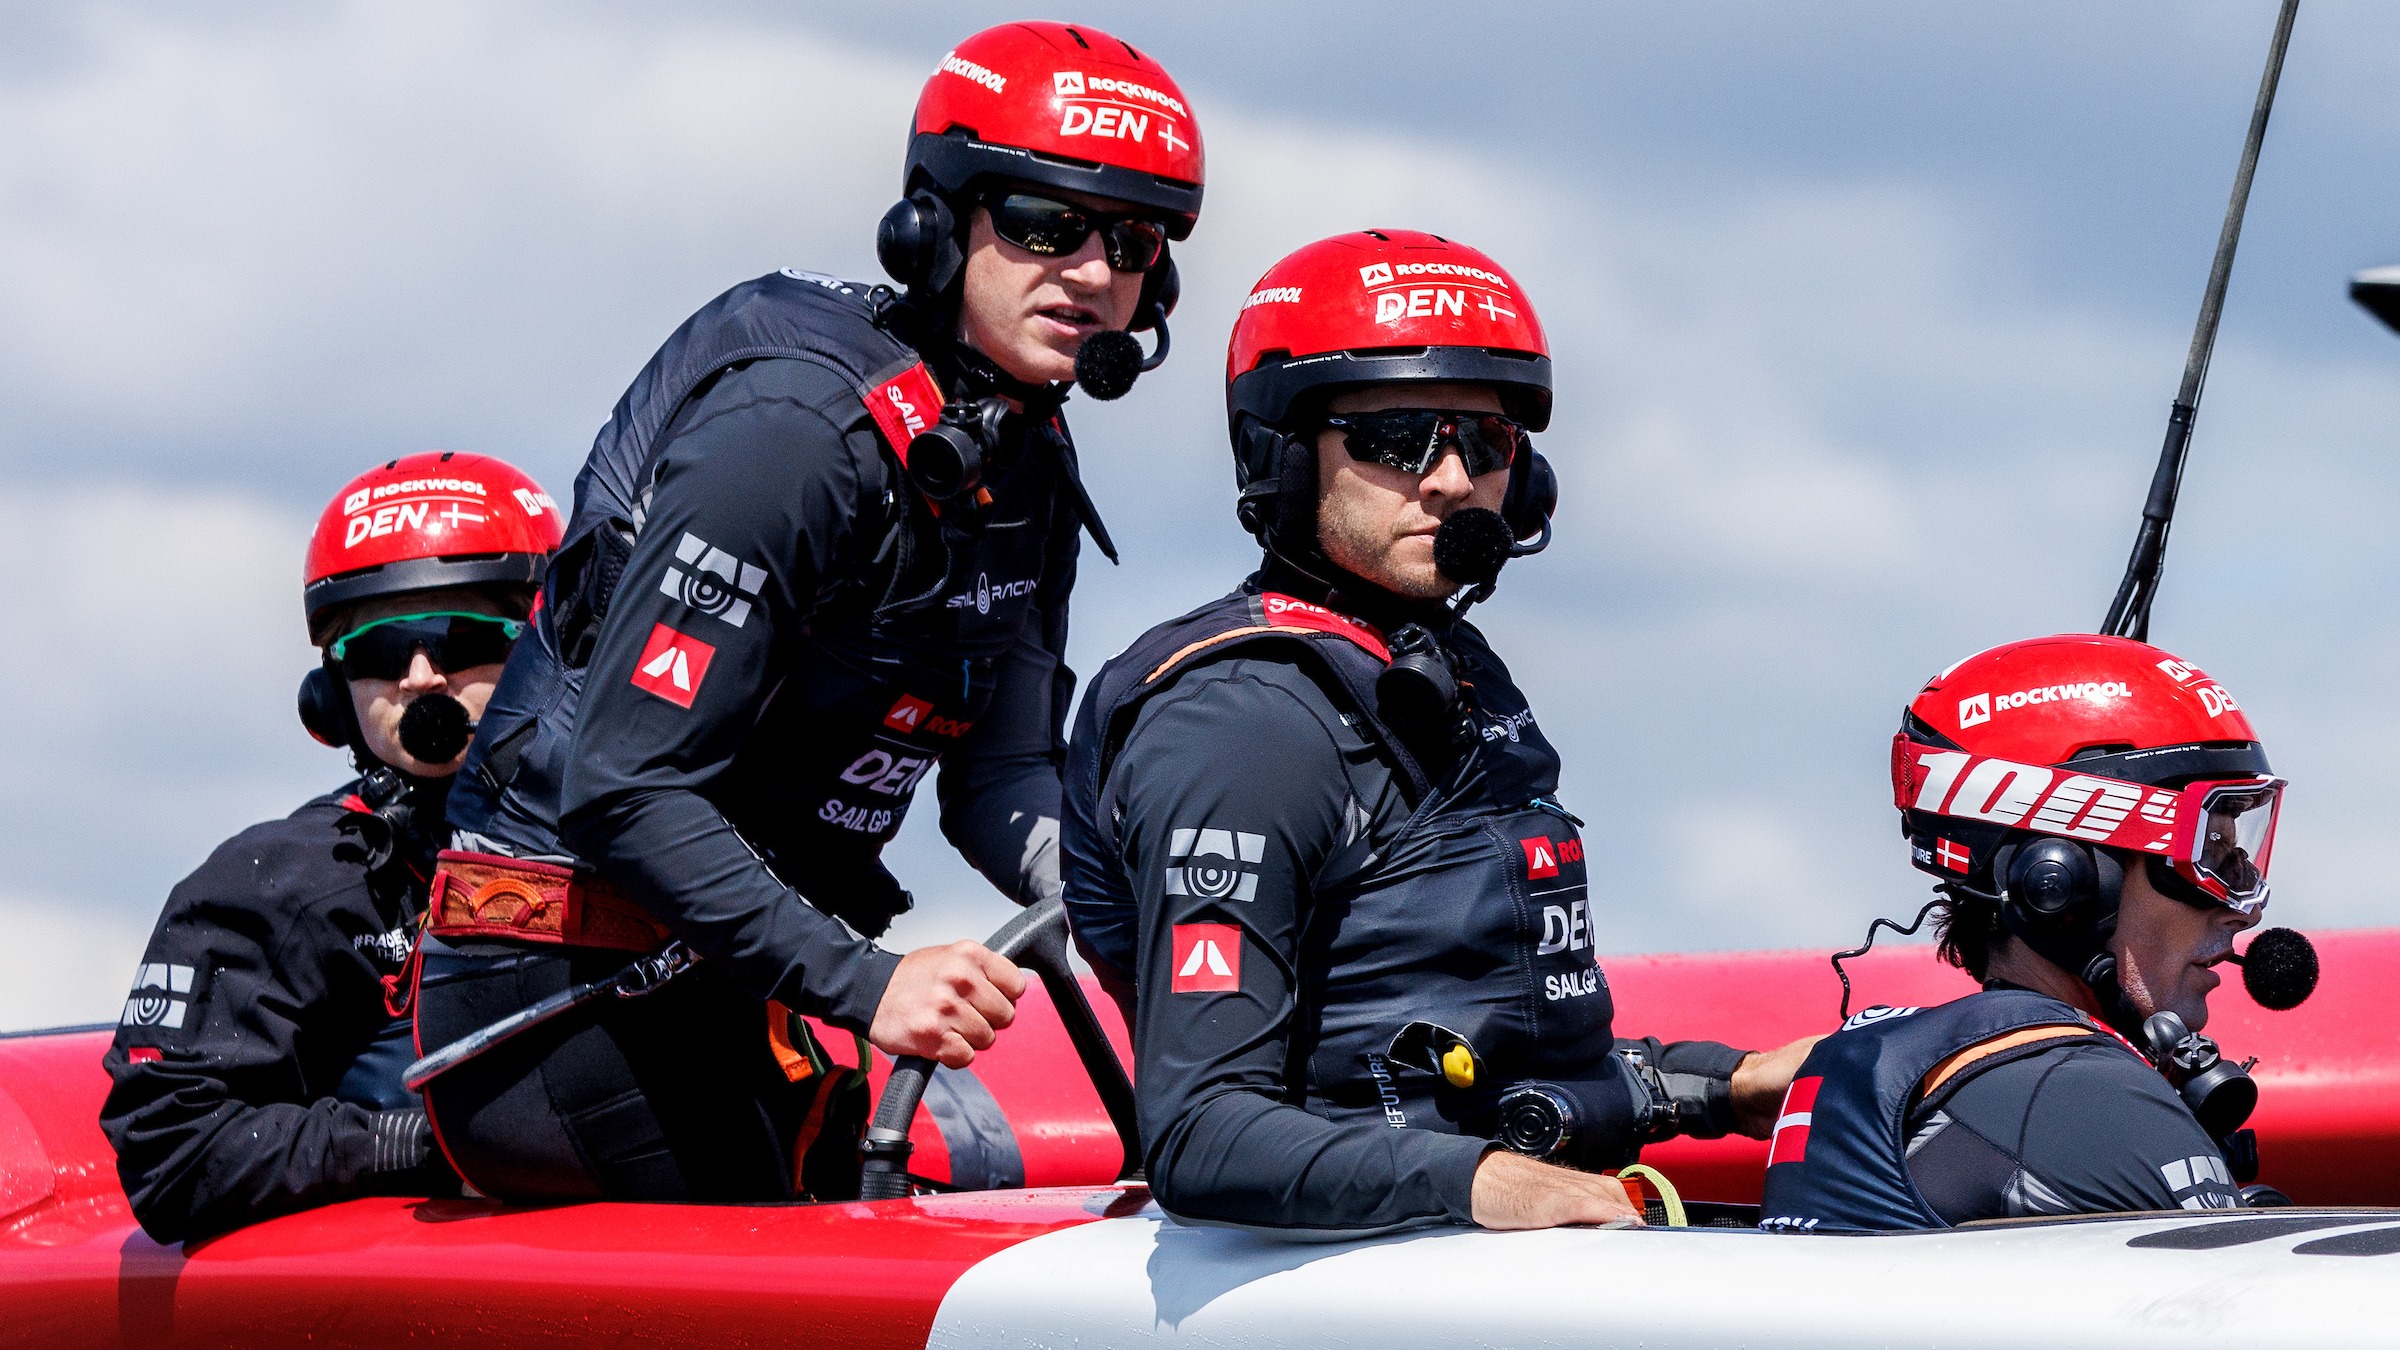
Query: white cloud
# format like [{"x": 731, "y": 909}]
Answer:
[
  {"x": 64, "y": 964},
  {"x": 1817, "y": 440}
]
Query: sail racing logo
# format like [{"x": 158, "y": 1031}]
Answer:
[{"x": 986, "y": 594}]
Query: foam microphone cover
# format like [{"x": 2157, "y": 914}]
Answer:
[
  {"x": 1471, "y": 545},
  {"x": 434, "y": 728},
  {"x": 2280, "y": 969},
  {"x": 1108, "y": 364}
]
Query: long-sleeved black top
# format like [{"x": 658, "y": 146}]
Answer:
[
  {"x": 794, "y": 641},
  {"x": 2071, "y": 1126},
  {"x": 237, "y": 1095}
]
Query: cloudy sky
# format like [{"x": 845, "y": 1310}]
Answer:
[{"x": 1866, "y": 316}]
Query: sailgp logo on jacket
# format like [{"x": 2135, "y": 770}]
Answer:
[
  {"x": 1208, "y": 958},
  {"x": 1214, "y": 864},
  {"x": 902, "y": 405},
  {"x": 154, "y": 1001},
  {"x": 672, "y": 665},
  {"x": 985, "y": 593},
  {"x": 1284, "y": 611},
  {"x": 1881, "y": 1012},
  {"x": 719, "y": 584},
  {"x": 1510, "y": 727}
]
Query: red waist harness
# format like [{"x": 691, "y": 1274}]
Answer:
[{"x": 481, "y": 895}]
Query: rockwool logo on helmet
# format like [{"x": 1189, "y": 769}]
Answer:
[
  {"x": 1273, "y": 295},
  {"x": 358, "y": 500},
  {"x": 954, "y": 64},
  {"x": 1081, "y": 83},
  {"x": 1978, "y": 709},
  {"x": 1386, "y": 274}
]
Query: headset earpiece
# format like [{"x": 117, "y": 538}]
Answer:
[
  {"x": 2052, "y": 880},
  {"x": 1531, "y": 500},
  {"x": 1161, "y": 288},
  {"x": 917, "y": 243},
  {"x": 326, "y": 710}
]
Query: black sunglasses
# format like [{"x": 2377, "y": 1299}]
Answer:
[
  {"x": 384, "y": 649},
  {"x": 1055, "y": 229},
  {"x": 1413, "y": 440}
]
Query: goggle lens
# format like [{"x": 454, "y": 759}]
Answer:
[
  {"x": 384, "y": 649},
  {"x": 2236, "y": 834},
  {"x": 1413, "y": 440},
  {"x": 1055, "y": 229}
]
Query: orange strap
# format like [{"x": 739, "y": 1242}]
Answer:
[
  {"x": 482, "y": 895},
  {"x": 1948, "y": 1068}
]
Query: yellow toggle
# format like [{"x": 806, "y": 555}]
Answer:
[{"x": 1458, "y": 1065}]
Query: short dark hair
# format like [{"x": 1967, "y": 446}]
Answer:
[{"x": 1965, "y": 928}]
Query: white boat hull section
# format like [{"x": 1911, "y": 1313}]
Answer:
[{"x": 1145, "y": 1281}]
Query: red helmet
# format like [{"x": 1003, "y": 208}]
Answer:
[
  {"x": 1062, "y": 105},
  {"x": 1376, "y": 306},
  {"x": 430, "y": 520},
  {"x": 2081, "y": 736}
]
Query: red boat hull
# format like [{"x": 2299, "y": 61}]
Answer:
[{"x": 75, "y": 1271}]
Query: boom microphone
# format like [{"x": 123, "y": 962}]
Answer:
[
  {"x": 1108, "y": 364},
  {"x": 1471, "y": 545},
  {"x": 2280, "y": 969},
  {"x": 434, "y": 728}
]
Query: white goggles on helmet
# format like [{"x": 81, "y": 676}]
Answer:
[{"x": 2218, "y": 834}]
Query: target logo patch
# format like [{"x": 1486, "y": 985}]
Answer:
[
  {"x": 1208, "y": 958},
  {"x": 717, "y": 584},
  {"x": 1214, "y": 864},
  {"x": 672, "y": 665},
  {"x": 156, "y": 1000}
]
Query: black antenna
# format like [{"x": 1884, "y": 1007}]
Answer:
[{"x": 2129, "y": 613}]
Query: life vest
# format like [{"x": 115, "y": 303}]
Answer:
[
  {"x": 882, "y": 684},
  {"x": 1838, "y": 1162},
  {"x": 1473, "y": 917}
]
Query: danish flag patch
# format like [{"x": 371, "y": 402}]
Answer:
[
  {"x": 1791, "y": 1124},
  {"x": 672, "y": 665},
  {"x": 1953, "y": 856},
  {"x": 1541, "y": 857},
  {"x": 1208, "y": 958}
]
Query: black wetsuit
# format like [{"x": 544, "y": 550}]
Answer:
[
  {"x": 2077, "y": 1127},
  {"x": 257, "y": 1064},
  {"x": 756, "y": 642},
  {"x": 1290, "y": 885}
]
